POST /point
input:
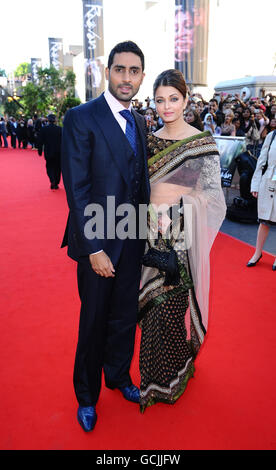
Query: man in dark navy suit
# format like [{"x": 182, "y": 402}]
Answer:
[
  {"x": 49, "y": 140},
  {"x": 104, "y": 168},
  {"x": 12, "y": 131}
]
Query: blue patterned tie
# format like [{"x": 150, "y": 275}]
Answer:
[{"x": 130, "y": 129}]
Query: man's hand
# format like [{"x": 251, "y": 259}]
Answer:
[
  {"x": 254, "y": 194},
  {"x": 102, "y": 265}
]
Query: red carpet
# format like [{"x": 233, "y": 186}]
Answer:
[{"x": 230, "y": 404}]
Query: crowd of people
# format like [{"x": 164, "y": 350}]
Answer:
[
  {"x": 23, "y": 132},
  {"x": 225, "y": 115}
]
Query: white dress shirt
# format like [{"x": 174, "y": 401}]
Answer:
[{"x": 115, "y": 107}]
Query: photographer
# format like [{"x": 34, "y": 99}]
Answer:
[
  {"x": 248, "y": 120},
  {"x": 234, "y": 102},
  {"x": 213, "y": 109},
  {"x": 151, "y": 120},
  {"x": 263, "y": 121}
]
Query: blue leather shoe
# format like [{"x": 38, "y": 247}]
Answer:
[
  {"x": 131, "y": 393},
  {"x": 87, "y": 417}
]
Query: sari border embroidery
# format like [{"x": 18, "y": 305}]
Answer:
[
  {"x": 181, "y": 151},
  {"x": 155, "y": 393},
  {"x": 176, "y": 145}
]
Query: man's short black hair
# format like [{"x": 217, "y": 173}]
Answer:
[
  {"x": 126, "y": 46},
  {"x": 51, "y": 118}
]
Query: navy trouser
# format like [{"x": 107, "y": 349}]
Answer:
[
  {"x": 108, "y": 319},
  {"x": 53, "y": 169}
]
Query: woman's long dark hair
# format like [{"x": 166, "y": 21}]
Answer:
[{"x": 197, "y": 123}]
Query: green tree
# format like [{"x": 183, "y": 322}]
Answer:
[
  {"x": 34, "y": 100},
  {"x": 54, "y": 92},
  {"x": 2, "y": 73},
  {"x": 11, "y": 108},
  {"x": 69, "y": 103},
  {"x": 23, "y": 70}
]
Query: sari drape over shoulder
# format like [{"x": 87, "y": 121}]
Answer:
[{"x": 187, "y": 209}]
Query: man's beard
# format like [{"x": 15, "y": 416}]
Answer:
[{"x": 120, "y": 96}]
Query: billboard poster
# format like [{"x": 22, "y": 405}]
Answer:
[
  {"x": 56, "y": 52},
  {"x": 191, "y": 40},
  {"x": 229, "y": 149},
  {"x": 93, "y": 48},
  {"x": 35, "y": 65}
]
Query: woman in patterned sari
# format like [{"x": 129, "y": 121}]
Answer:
[{"x": 186, "y": 211}]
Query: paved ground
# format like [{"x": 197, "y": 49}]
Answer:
[{"x": 247, "y": 232}]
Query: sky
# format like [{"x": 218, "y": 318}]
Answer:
[
  {"x": 242, "y": 37},
  {"x": 26, "y": 26}
]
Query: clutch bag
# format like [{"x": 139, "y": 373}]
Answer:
[{"x": 165, "y": 261}]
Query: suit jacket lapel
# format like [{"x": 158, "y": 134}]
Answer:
[
  {"x": 140, "y": 125},
  {"x": 114, "y": 135}
]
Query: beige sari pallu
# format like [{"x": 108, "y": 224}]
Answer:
[{"x": 187, "y": 209}]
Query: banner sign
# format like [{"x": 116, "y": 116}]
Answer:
[
  {"x": 191, "y": 40},
  {"x": 56, "y": 52},
  {"x": 35, "y": 65},
  {"x": 93, "y": 48},
  {"x": 229, "y": 148}
]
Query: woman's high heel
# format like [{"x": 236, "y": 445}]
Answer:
[{"x": 250, "y": 265}]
